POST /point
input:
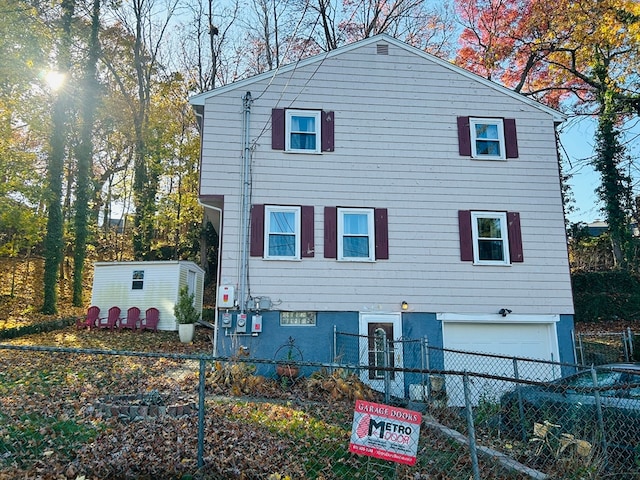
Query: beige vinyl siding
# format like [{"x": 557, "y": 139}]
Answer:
[{"x": 396, "y": 147}]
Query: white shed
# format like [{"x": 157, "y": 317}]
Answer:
[{"x": 145, "y": 285}]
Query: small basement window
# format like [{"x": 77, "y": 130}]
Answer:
[
  {"x": 298, "y": 319},
  {"x": 138, "y": 280}
]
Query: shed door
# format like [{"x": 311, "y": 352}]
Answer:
[{"x": 522, "y": 340}]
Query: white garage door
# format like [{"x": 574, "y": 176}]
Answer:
[{"x": 524, "y": 339}]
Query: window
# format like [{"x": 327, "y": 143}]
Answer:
[
  {"x": 490, "y": 238},
  {"x": 355, "y": 234},
  {"x": 281, "y": 232},
  {"x": 138, "y": 280},
  {"x": 487, "y": 138},
  {"x": 298, "y": 318},
  {"x": 302, "y": 131}
]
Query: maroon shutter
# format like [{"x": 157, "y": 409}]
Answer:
[
  {"x": 330, "y": 232},
  {"x": 307, "y": 247},
  {"x": 510, "y": 138},
  {"x": 277, "y": 129},
  {"x": 327, "y": 131},
  {"x": 466, "y": 238},
  {"x": 464, "y": 137},
  {"x": 515, "y": 237},
  {"x": 382, "y": 234},
  {"x": 257, "y": 231}
]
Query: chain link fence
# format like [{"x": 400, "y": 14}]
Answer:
[
  {"x": 602, "y": 348},
  {"x": 67, "y": 413}
]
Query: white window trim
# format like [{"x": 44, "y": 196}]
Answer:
[
  {"x": 303, "y": 113},
  {"x": 488, "y": 121},
  {"x": 502, "y": 216},
  {"x": 370, "y": 234},
  {"x": 268, "y": 209}
]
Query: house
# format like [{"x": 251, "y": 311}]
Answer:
[
  {"x": 145, "y": 285},
  {"x": 378, "y": 190}
]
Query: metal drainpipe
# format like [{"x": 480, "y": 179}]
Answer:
[{"x": 246, "y": 205}]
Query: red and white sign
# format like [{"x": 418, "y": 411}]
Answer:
[{"x": 385, "y": 432}]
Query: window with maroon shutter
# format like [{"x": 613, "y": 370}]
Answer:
[
  {"x": 487, "y": 138},
  {"x": 302, "y": 131},
  {"x": 490, "y": 238},
  {"x": 282, "y": 232},
  {"x": 356, "y": 234}
]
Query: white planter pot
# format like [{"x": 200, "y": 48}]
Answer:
[{"x": 187, "y": 332}]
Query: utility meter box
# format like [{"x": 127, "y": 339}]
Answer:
[
  {"x": 226, "y": 296},
  {"x": 241, "y": 323},
  {"x": 226, "y": 319},
  {"x": 256, "y": 324}
]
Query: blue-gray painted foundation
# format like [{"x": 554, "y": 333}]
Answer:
[{"x": 317, "y": 342}]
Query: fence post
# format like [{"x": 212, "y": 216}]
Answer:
[
  {"x": 625, "y": 346},
  {"x": 594, "y": 378},
  {"x": 201, "y": 413},
  {"x": 424, "y": 346},
  {"x": 580, "y": 349},
  {"x": 516, "y": 375},
  {"x": 387, "y": 373},
  {"x": 473, "y": 452},
  {"x": 630, "y": 337}
]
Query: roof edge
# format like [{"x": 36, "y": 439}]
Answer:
[{"x": 201, "y": 98}]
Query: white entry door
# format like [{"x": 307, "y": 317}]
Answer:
[{"x": 374, "y": 329}]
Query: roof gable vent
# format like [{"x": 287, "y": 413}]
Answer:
[{"x": 382, "y": 49}]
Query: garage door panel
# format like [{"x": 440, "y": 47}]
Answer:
[{"x": 521, "y": 341}]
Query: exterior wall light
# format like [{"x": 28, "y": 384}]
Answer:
[{"x": 405, "y": 305}]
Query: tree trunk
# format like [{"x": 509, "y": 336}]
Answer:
[
  {"x": 53, "y": 247},
  {"x": 84, "y": 155}
]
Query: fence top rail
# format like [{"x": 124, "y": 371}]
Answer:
[
  {"x": 478, "y": 354},
  {"x": 622, "y": 334}
]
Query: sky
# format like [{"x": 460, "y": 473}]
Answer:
[{"x": 577, "y": 138}]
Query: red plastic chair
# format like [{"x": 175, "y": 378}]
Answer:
[
  {"x": 112, "y": 319},
  {"x": 131, "y": 320},
  {"x": 150, "y": 320},
  {"x": 93, "y": 314}
]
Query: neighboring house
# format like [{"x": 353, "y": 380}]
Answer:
[
  {"x": 145, "y": 285},
  {"x": 376, "y": 174}
]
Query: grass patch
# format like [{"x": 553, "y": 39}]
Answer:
[{"x": 32, "y": 436}]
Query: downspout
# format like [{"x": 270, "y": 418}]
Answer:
[{"x": 246, "y": 203}]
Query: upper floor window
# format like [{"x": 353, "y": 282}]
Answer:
[
  {"x": 302, "y": 131},
  {"x": 487, "y": 139},
  {"x": 490, "y": 238},
  {"x": 356, "y": 234},
  {"x": 282, "y": 232}
]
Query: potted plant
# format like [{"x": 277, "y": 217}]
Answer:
[
  {"x": 288, "y": 357},
  {"x": 186, "y": 315}
]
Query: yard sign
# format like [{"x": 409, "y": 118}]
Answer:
[{"x": 385, "y": 432}]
